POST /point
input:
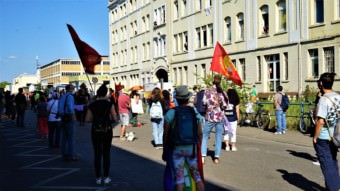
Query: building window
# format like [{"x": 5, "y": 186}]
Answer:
[
  {"x": 227, "y": 23},
  {"x": 198, "y": 37},
  {"x": 314, "y": 62},
  {"x": 264, "y": 26},
  {"x": 273, "y": 62},
  {"x": 176, "y": 10},
  {"x": 329, "y": 59},
  {"x": 285, "y": 55},
  {"x": 198, "y": 5},
  {"x": 319, "y": 11},
  {"x": 337, "y": 12},
  {"x": 211, "y": 34},
  {"x": 175, "y": 48},
  {"x": 243, "y": 66},
  {"x": 282, "y": 21},
  {"x": 184, "y": 7},
  {"x": 205, "y": 36},
  {"x": 259, "y": 69},
  {"x": 240, "y": 27},
  {"x": 159, "y": 16},
  {"x": 185, "y": 45},
  {"x": 204, "y": 72}
]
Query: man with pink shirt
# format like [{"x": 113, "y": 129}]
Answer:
[{"x": 123, "y": 109}]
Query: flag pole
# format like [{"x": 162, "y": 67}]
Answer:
[{"x": 89, "y": 81}]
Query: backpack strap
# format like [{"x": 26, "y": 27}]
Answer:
[{"x": 337, "y": 116}]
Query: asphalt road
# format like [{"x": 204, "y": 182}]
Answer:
[{"x": 264, "y": 161}]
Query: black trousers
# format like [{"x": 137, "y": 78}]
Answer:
[{"x": 102, "y": 147}]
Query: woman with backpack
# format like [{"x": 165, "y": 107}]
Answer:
[
  {"x": 100, "y": 113},
  {"x": 232, "y": 113},
  {"x": 157, "y": 111}
]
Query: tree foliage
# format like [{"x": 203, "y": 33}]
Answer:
[{"x": 4, "y": 84}]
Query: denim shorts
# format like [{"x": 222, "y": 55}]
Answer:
[{"x": 124, "y": 119}]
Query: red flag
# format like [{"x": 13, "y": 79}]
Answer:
[
  {"x": 222, "y": 64},
  {"x": 89, "y": 57}
]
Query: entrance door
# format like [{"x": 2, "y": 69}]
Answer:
[{"x": 273, "y": 71}]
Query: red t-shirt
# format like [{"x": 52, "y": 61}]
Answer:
[{"x": 123, "y": 103}]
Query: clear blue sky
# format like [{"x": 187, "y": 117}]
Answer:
[{"x": 30, "y": 28}]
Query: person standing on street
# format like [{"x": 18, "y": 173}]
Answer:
[
  {"x": 42, "y": 115},
  {"x": 157, "y": 111},
  {"x": 328, "y": 108},
  {"x": 20, "y": 101},
  {"x": 54, "y": 122},
  {"x": 182, "y": 133},
  {"x": 100, "y": 113},
  {"x": 233, "y": 115},
  {"x": 124, "y": 104},
  {"x": 67, "y": 113},
  {"x": 279, "y": 113},
  {"x": 215, "y": 103}
]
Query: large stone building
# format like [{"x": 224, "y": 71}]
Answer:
[
  {"x": 271, "y": 42},
  {"x": 61, "y": 72}
]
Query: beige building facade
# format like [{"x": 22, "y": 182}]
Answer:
[
  {"x": 25, "y": 81},
  {"x": 271, "y": 42},
  {"x": 61, "y": 72}
]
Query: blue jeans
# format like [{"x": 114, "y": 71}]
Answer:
[
  {"x": 281, "y": 120},
  {"x": 218, "y": 137},
  {"x": 157, "y": 131},
  {"x": 327, "y": 153},
  {"x": 68, "y": 139}
]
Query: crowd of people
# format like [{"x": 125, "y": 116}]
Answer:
[{"x": 181, "y": 123}]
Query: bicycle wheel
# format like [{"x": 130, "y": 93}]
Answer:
[
  {"x": 263, "y": 120},
  {"x": 303, "y": 126}
]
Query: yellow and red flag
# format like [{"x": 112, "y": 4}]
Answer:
[
  {"x": 222, "y": 64},
  {"x": 89, "y": 57}
]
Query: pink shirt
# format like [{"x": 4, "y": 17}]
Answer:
[
  {"x": 123, "y": 103},
  {"x": 214, "y": 101}
]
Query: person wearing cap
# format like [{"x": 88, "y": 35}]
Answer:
[
  {"x": 54, "y": 121},
  {"x": 214, "y": 100},
  {"x": 180, "y": 154},
  {"x": 124, "y": 104}
]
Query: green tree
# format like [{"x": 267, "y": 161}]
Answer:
[{"x": 4, "y": 84}]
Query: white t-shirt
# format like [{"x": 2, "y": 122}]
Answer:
[
  {"x": 52, "y": 108},
  {"x": 327, "y": 111}
]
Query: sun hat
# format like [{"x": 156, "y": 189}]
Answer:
[
  {"x": 182, "y": 92},
  {"x": 126, "y": 91}
]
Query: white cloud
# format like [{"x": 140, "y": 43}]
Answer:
[{"x": 12, "y": 57}]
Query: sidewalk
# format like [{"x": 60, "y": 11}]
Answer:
[{"x": 28, "y": 163}]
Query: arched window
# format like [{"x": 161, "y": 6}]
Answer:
[
  {"x": 264, "y": 22},
  {"x": 282, "y": 20},
  {"x": 227, "y": 24},
  {"x": 240, "y": 27}
]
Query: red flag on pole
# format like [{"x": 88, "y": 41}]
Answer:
[
  {"x": 89, "y": 57},
  {"x": 222, "y": 64}
]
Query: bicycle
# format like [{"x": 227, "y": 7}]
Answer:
[
  {"x": 307, "y": 121},
  {"x": 260, "y": 119}
]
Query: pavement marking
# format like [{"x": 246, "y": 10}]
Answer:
[{"x": 25, "y": 137}]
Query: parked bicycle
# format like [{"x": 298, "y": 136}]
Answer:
[
  {"x": 261, "y": 118},
  {"x": 307, "y": 121}
]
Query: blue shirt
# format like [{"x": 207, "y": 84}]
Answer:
[{"x": 69, "y": 110}]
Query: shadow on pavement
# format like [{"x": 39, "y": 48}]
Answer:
[
  {"x": 302, "y": 155},
  {"x": 300, "y": 181}
]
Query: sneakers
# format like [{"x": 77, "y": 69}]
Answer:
[
  {"x": 227, "y": 148},
  {"x": 283, "y": 132},
  {"x": 107, "y": 180},
  {"x": 278, "y": 133},
  {"x": 159, "y": 146},
  {"x": 234, "y": 149},
  {"x": 98, "y": 180}
]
